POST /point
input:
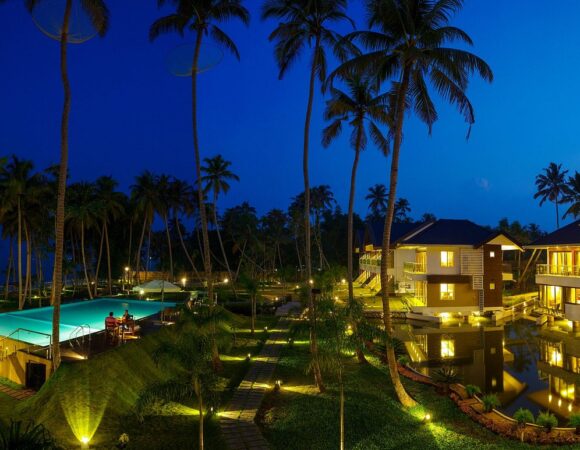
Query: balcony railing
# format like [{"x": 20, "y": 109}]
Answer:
[
  {"x": 558, "y": 270},
  {"x": 370, "y": 262},
  {"x": 414, "y": 267}
]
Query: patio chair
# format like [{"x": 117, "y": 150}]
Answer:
[{"x": 111, "y": 333}]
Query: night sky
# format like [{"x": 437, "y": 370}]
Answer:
[{"x": 130, "y": 114}]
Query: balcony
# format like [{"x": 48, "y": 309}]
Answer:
[
  {"x": 417, "y": 271},
  {"x": 558, "y": 275}
]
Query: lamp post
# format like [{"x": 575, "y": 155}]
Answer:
[{"x": 125, "y": 278}]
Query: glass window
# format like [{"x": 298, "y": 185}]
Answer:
[
  {"x": 447, "y": 348},
  {"x": 447, "y": 259},
  {"x": 447, "y": 291},
  {"x": 492, "y": 286},
  {"x": 492, "y": 254}
]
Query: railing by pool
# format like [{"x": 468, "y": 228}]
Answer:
[
  {"x": 5, "y": 350},
  {"x": 558, "y": 270},
  {"x": 414, "y": 267}
]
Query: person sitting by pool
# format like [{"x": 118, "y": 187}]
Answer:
[
  {"x": 111, "y": 321},
  {"x": 127, "y": 322}
]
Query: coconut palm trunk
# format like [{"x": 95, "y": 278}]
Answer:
[
  {"x": 197, "y": 385},
  {"x": 20, "y": 296},
  {"x": 139, "y": 249},
  {"x": 219, "y": 235},
  {"x": 9, "y": 268},
  {"x": 27, "y": 280},
  {"x": 557, "y": 215},
  {"x": 308, "y": 255},
  {"x": 402, "y": 394},
  {"x": 169, "y": 247},
  {"x": 188, "y": 256},
  {"x": 99, "y": 258},
  {"x": 62, "y": 175},
  {"x": 87, "y": 279},
  {"x": 216, "y": 362},
  {"x": 351, "y": 212},
  {"x": 108, "y": 248}
]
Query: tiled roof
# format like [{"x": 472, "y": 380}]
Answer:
[
  {"x": 451, "y": 232},
  {"x": 568, "y": 235}
]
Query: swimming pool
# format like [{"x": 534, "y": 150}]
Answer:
[{"x": 89, "y": 314}]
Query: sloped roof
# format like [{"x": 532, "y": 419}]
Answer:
[
  {"x": 157, "y": 286},
  {"x": 568, "y": 235},
  {"x": 451, "y": 232},
  {"x": 374, "y": 232}
]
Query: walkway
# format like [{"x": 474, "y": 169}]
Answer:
[
  {"x": 237, "y": 421},
  {"x": 18, "y": 394}
]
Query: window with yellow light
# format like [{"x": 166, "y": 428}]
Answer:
[
  {"x": 447, "y": 348},
  {"x": 447, "y": 259},
  {"x": 447, "y": 291}
]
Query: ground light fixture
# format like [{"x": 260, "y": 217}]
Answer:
[
  {"x": 249, "y": 356},
  {"x": 427, "y": 418},
  {"x": 85, "y": 442},
  {"x": 226, "y": 280}
]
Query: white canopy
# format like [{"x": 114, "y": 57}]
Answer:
[{"x": 156, "y": 286}]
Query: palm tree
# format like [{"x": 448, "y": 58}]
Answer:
[
  {"x": 572, "y": 195},
  {"x": 252, "y": 288},
  {"x": 402, "y": 208},
  {"x": 165, "y": 191},
  {"x": 83, "y": 214},
  {"x": 202, "y": 18},
  {"x": 111, "y": 207},
  {"x": 18, "y": 187},
  {"x": 217, "y": 175},
  {"x": 183, "y": 201},
  {"x": 362, "y": 109},
  {"x": 322, "y": 201},
  {"x": 551, "y": 186},
  {"x": 303, "y": 23},
  {"x": 145, "y": 197},
  {"x": 99, "y": 17},
  {"x": 410, "y": 42},
  {"x": 378, "y": 197}
]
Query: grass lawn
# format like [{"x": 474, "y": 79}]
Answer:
[
  {"x": 299, "y": 418},
  {"x": 95, "y": 398}
]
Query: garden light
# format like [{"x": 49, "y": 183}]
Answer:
[
  {"x": 85, "y": 442},
  {"x": 311, "y": 281},
  {"x": 343, "y": 281},
  {"x": 226, "y": 280},
  {"x": 427, "y": 418}
]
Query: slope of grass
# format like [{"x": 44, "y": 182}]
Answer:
[
  {"x": 298, "y": 417},
  {"x": 95, "y": 398}
]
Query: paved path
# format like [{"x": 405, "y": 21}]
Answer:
[
  {"x": 237, "y": 421},
  {"x": 18, "y": 394}
]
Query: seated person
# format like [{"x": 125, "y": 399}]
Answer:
[
  {"x": 127, "y": 320},
  {"x": 110, "y": 321}
]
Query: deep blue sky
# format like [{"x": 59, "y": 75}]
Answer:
[{"x": 130, "y": 114}]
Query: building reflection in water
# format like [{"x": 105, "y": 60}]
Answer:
[{"x": 526, "y": 366}]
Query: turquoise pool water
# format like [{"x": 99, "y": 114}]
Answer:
[{"x": 90, "y": 314}]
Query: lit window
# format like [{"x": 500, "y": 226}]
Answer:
[
  {"x": 492, "y": 286},
  {"x": 447, "y": 291},
  {"x": 492, "y": 254},
  {"x": 447, "y": 348},
  {"x": 447, "y": 259},
  {"x": 492, "y": 351}
]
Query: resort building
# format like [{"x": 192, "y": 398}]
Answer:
[
  {"x": 445, "y": 267},
  {"x": 558, "y": 279}
]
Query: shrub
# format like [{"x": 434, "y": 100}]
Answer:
[
  {"x": 403, "y": 360},
  {"x": 523, "y": 416},
  {"x": 472, "y": 390},
  {"x": 547, "y": 420},
  {"x": 31, "y": 435},
  {"x": 575, "y": 421},
  {"x": 490, "y": 401}
]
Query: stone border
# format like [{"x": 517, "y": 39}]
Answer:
[{"x": 495, "y": 420}]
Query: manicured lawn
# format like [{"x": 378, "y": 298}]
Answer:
[
  {"x": 299, "y": 418},
  {"x": 95, "y": 398}
]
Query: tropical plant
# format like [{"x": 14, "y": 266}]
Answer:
[
  {"x": 490, "y": 401},
  {"x": 111, "y": 206},
  {"x": 402, "y": 209},
  {"x": 547, "y": 420},
  {"x": 523, "y": 416},
  {"x": 551, "y": 185},
  {"x": 216, "y": 180},
  {"x": 98, "y": 14},
  {"x": 192, "y": 351},
  {"x": 164, "y": 189},
  {"x": 572, "y": 195},
  {"x": 26, "y": 436},
  {"x": 365, "y": 112},
  {"x": 252, "y": 288},
  {"x": 410, "y": 42},
  {"x": 574, "y": 421},
  {"x": 304, "y": 23},
  {"x": 446, "y": 375},
  {"x": 322, "y": 202},
  {"x": 203, "y": 19},
  {"x": 472, "y": 390},
  {"x": 378, "y": 198}
]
